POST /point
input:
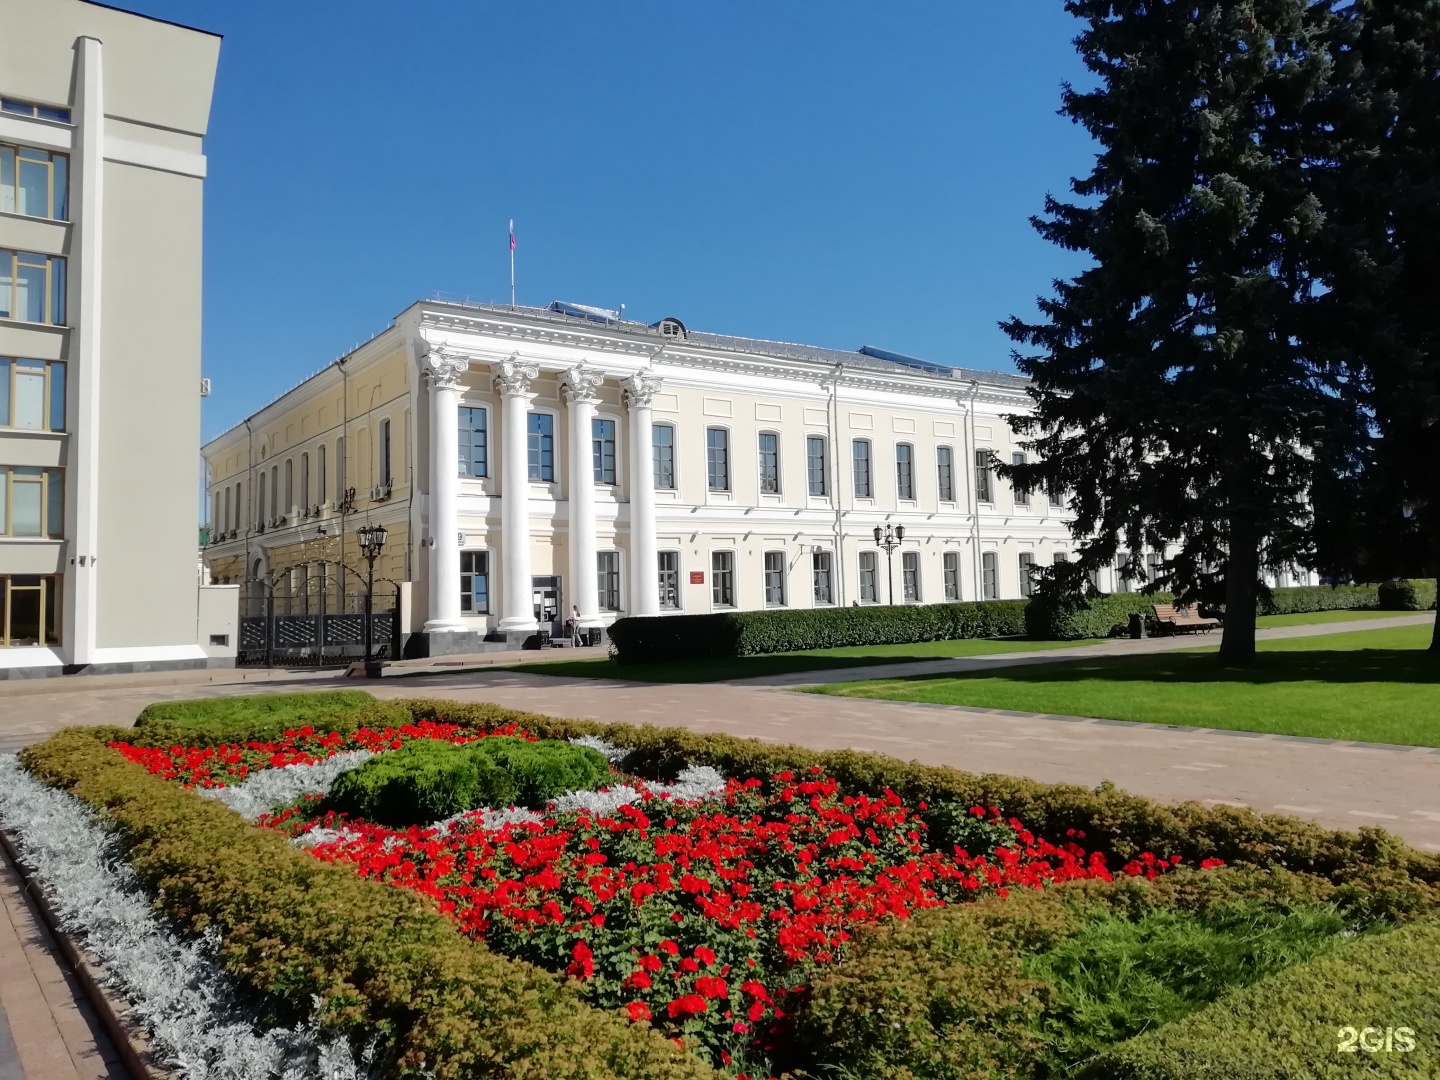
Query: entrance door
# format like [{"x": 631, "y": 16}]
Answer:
[{"x": 545, "y": 593}]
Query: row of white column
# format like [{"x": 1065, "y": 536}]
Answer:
[{"x": 444, "y": 368}]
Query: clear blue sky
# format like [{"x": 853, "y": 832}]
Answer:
[{"x": 834, "y": 173}]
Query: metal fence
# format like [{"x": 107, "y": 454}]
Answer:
[{"x": 317, "y": 626}]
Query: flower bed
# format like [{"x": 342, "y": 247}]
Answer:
[{"x": 696, "y": 911}]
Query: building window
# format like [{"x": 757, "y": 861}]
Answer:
[
  {"x": 239, "y": 503},
  {"x": 662, "y": 440},
  {"x": 542, "y": 447},
  {"x": 321, "y": 494},
  {"x": 985, "y": 476},
  {"x": 387, "y": 476},
  {"x": 910, "y": 575},
  {"x": 1027, "y": 574},
  {"x": 1153, "y": 565},
  {"x": 860, "y": 452},
  {"x": 341, "y": 491},
  {"x": 475, "y": 582},
  {"x": 29, "y": 609},
  {"x": 33, "y": 182},
  {"x": 474, "y": 447},
  {"x": 260, "y": 505},
  {"x": 769, "y": 463},
  {"x": 305, "y": 481},
  {"x": 1056, "y": 494},
  {"x": 274, "y": 491},
  {"x": 32, "y": 287},
  {"x": 669, "y": 564},
  {"x": 32, "y": 502},
  {"x": 815, "y": 463},
  {"x": 32, "y": 394},
  {"x": 607, "y": 565},
  {"x": 951, "y": 564},
  {"x": 1123, "y": 572},
  {"x": 289, "y": 505},
  {"x": 717, "y": 458},
  {"x": 225, "y": 521},
  {"x": 1021, "y": 492},
  {"x": 1059, "y": 559},
  {"x": 869, "y": 588},
  {"x": 904, "y": 471},
  {"x": 30, "y": 108},
  {"x": 774, "y": 579},
  {"x": 820, "y": 569},
  {"x": 602, "y": 441},
  {"x": 945, "y": 473},
  {"x": 722, "y": 578},
  {"x": 990, "y": 575}
]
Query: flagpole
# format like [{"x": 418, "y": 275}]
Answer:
[{"x": 512, "y": 262}]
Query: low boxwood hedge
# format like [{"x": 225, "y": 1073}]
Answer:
[
  {"x": 1054, "y": 618},
  {"x": 1302, "y": 598},
  {"x": 748, "y": 633},
  {"x": 1413, "y": 594}
]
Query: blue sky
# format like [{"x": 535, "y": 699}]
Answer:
[{"x": 839, "y": 174}]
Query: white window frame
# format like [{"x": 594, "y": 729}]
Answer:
[
  {"x": 940, "y": 470},
  {"x": 384, "y": 461},
  {"x": 905, "y": 493},
  {"x": 824, "y": 442},
  {"x": 554, "y": 416},
  {"x": 869, "y": 492},
  {"x": 828, "y": 556},
  {"x": 603, "y": 595},
  {"x": 729, "y": 487},
  {"x": 779, "y": 488},
  {"x": 871, "y": 556},
  {"x": 607, "y": 418},
  {"x": 731, "y": 574},
  {"x": 784, "y": 574},
  {"x": 489, "y": 582},
  {"x": 911, "y": 589},
  {"x": 484, "y": 409},
  {"x": 1019, "y": 493},
  {"x": 674, "y": 483},
  {"x": 984, "y": 470},
  {"x": 679, "y": 572},
  {"x": 950, "y": 571},
  {"x": 990, "y": 575},
  {"x": 1026, "y": 564}
]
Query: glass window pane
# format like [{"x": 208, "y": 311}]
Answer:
[
  {"x": 5, "y": 420},
  {"x": 32, "y": 191},
  {"x": 57, "y": 291},
  {"x": 57, "y": 397},
  {"x": 7, "y": 284},
  {"x": 46, "y": 113},
  {"x": 30, "y": 292},
  {"x": 22, "y": 108},
  {"x": 7, "y": 180},
  {"x": 4, "y": 520},
  {"x": 55, "y": 510},
  {"x": 60, "y": 180},
  {"x": 24, "y": 615},
  {"x": 25, "y": 502}
]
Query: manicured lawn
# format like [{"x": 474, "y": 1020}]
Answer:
[
  {"x": 749, "y": 667},
  {"x": 1306, "y": 618},
  {"x": 1368, "y": 685}
]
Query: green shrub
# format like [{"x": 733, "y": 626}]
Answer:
[
  {"x": 381, "y": 961},
  {"x": 429, "y": 779},
  {"x": 260, "y": 717},
  {"x": 1303, "y": 598},
  {"x": 951, "y": 825},
  {"x": 1289, "y": 1026},
  {"x": 1070, "y": 618},
  {"x": 748, "y": 633},
  {"x": 1415, "y": 594}
]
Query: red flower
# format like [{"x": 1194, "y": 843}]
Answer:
[
  {"x": 687, "y": 1005},
  {"x": 705, "y": 955},
  {"x": 712, "y": 986},
  {"x": 583, "y": 964},
  {"x": 670, "y": 947},
  {"x": 751, "y": 988},
  {"x": 638, "y": 1011},
  {"x": 650, "y": 963},
  {"x": 1211, "y": 863}
]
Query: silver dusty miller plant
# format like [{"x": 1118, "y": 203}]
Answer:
[{"x": 179, "y": 993}]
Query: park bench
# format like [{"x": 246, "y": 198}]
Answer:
[{"x": 1178, "y": 619}]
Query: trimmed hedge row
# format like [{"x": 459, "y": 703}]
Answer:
[
  {"x": 1290, "y": 1025},
  {"x": 1303, "y": 598},
  {"x": 1415, "y": 594},
  {"x": 748, "y": 633},
  {"x": 380, "y": 959},
  {"x": 1072, "y": 618}
]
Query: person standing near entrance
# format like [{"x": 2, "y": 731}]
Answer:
[{"x": 575, "y": 625}]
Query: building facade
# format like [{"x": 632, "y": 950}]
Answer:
[
  {"x": 658, "y": 470},
  {"x": 102, "y": 117}
]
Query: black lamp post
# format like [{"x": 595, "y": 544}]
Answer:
[
  {"x": 889, "y": 538},
  {"x": 372, "y": 542}
]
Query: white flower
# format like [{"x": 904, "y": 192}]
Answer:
[
  {"x": 268, "y": 789},
  {"x": 612, "y": 753}
]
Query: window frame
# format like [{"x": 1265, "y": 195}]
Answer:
[
  {"x": 609, "y": 582},
  {"x": 466, "y": 464},
  {"x": 1056, "y": 495},
  {"x": 910, "y": 584},
  {"x": 985, "y": 476},
  {"x": 990, "y": 575},
  {"x": 1025, "y": 562},
  {"x": 945, "y": 473},
  {"x": 782, "y": 575},
  {"x": 867, "y": 490},
  {"x": 950, "y": 574},
  {"x": 828, "y": 572},
  {"x": 1019, "y": 493},
  {"x": 905, "y": 472},
  {"x": 872, "y": 556},
  {"x": 662, "y": 572},
  {"x": 321, "y": 489},
  {"x": 727, "y": 575},
  {"x": 535, "y": 469},
  {"x": 817, "y": 477},
  {"x": 51, "y": 483},
  {"x": 384, "y": 461},
  {"x": 49, "y": 587},
  {"x": 53, "y": 301},
  {"x": 597, "y": 450},
  {"x": 655, "y": 457},
  {"x": 710, "y": 460},
  {"x": 52, "y": 394},
  {"x": 768, "y": 473},
  {"x": 469, "y": 597},
  {"x": 54, "y": 184}
]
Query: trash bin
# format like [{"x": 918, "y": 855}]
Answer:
[{"x": 1137, "y": 625}]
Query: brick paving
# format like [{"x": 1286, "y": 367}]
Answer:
[{"x": 1346, "y": 785}]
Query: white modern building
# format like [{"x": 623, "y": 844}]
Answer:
[
  {"x": 102, "y": 118},
  {"x": 527, "y": 462}
]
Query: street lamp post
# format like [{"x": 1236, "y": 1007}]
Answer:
[
  {"x": 889, "y": 538},
  {"x": 372, "y": 543}
]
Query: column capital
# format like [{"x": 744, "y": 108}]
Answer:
[
  {"x": 444, "y": 366},
  {"x": 640, "y": 390},
  {"x": 579, "y": 384},
  {"x": 513, "y": 376}
]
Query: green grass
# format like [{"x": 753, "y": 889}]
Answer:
[
  {"x": 262, "y": 716},
  {"x": 1306, "y": 618},
  {"x": 1368, "y": 686},
  {"x": 717, "y": 669}
]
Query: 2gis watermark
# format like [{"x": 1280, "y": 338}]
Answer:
[{"x": 1375, "y": 1040}]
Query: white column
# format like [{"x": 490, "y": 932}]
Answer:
[
  {"x": 444, "y": 368},
  {"x": 579, "y": 388},
  {"x": 517, "y": 610},
  {"x": 644, "y": 571},
  {"x": 82, "y": 511}
]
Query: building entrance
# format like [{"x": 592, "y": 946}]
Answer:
[{"x": 546, "y": 596}]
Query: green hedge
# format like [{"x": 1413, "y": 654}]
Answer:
[
  {"x": 1415, "y": 594},
  {"x": 1071, "y": 618},
  {"x": 1288, "y": 1027},
  {"x": 1302, "y": 598},
  {"x": 748, "y": 633},
  {"x": 258, "y": 717}
]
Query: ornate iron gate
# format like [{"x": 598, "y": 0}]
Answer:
[{"x": 316, "y": 624}]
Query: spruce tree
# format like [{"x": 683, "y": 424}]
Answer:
[{"x": 1174, "y": 391}]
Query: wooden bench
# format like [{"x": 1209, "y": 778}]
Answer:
[{"x": 1176, "y": 620}]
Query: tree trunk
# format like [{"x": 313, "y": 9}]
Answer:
[{"x": 1237, "y": 639}]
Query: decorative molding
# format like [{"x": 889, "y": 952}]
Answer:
[
  {"x": 640, "y": 390},
  {"x": 579, "y": 384},
  {"x": 445, "y": 366},
  {"x": 513, "y": 376}
]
